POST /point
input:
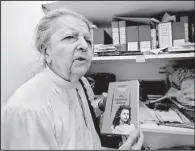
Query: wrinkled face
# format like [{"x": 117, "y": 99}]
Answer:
[
  {"x": 124, "y": 115},
  {"x": 70, "y": 47}
]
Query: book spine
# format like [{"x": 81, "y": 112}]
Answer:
[
  {"x": 145, "y": 38},
  {"x": 165, "y": 35},
  {"x": 123, "y": 35},
  {"x": 153, "y": 36},
  {"x": 185, "y": 20},
  {"x": 192, "y": 28},
  {"x": 178, "y": 33},
  {"x": 132, "y": 38},
  {"x": 115, "y": 33}
]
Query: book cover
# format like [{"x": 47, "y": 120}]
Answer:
[
  {"x": 122, "y": 107},
  {"x": 165, "y": 34}
]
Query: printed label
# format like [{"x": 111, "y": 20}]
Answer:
[
  {"x": 178, "y": 42},
  {"x": 140, "y": 58},
  {"x": 145, "y": 46},
  {"x": 132, "y": 46}
]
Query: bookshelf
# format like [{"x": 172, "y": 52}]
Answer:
[
  {"x": 145, "y": 58},
  {"x": 145, "y": 67}
]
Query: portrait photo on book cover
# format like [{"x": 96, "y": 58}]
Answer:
[{"x": 122, "y": 107}]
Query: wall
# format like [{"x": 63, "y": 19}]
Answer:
[{"x": 18, "y": 22}]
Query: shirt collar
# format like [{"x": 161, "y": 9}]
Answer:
[{"x": 58, "y": 80}]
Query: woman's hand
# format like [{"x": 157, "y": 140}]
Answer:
[
  {"x": 134, "y": 141},
  {"x": 102, "y": 103}
]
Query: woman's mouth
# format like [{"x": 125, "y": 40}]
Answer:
[{"x": 80, "y": 60}]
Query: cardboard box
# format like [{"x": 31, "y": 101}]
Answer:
[
  {"x": 165, "y": 35},
  {"x": 144, "y": 38},
  {"x": 178, "y": 29},
  {"x": 132, "y": 38}
]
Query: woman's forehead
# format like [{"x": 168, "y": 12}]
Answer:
[
  {"x": 69, "y": 22},
  {"x": 125, "y": 110}
]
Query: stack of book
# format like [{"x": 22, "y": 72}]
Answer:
[{"x": 133, "y": 35}]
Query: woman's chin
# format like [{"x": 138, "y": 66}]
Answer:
[{"x": 80, "y": 71}]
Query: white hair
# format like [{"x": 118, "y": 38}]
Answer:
[{"x": 43, "y": 31}]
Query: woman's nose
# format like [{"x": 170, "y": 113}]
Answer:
[{"x": 83, "y": 46}]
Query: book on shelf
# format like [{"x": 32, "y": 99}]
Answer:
[
  {"x": 185, "y": 20},
  {"x": 132, "y": 38},
  {"x": 165, "y": 34},
  {"x": 115, "y": 32},
  {"x": 178, "y": 29},
  {"x": 123, "y": 35},
  {"x": 144, "y": 38}
]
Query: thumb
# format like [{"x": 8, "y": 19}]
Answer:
[{"x": 104, "y": 94}]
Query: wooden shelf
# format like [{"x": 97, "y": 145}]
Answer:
[{"x": 143, "y": 58}]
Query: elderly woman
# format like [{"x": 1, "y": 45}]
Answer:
[{"x": 51, "y": 111}]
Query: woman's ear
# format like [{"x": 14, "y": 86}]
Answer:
[
  {"x": 48, "y": 59},
  {"x": 43, "y": 49}
]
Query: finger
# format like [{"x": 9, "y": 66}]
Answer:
[
  {"x": 104, "y": 94},
  {"x": 138, "y": 145}
]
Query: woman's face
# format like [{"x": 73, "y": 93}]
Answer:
[
  {"x": 70, "y": 48},
  {"x": 124, "y": 115}
]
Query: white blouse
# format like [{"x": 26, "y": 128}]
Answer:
[{"x": 48, "y": 112}]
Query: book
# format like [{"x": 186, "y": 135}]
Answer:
[
  {"x": 153, "y": 36},
  {"x": 132, "y": 38},
  {"x": 179, "y": 36},
  {"x": 121, "y": 115},
  {"x": 144, "y": 38},
  {"x": 115, "y": 33},
  {"x": 185, "y": 20},
  {"x": 165, "y": 35},
  {"x": 123, "y": 35}
]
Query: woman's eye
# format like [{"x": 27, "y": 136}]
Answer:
[
  {"x": 89, "y": 42},
  {"x": 70, "y": 37}
]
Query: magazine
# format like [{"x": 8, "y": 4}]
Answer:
[{"x": 121, "y": 115}]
